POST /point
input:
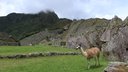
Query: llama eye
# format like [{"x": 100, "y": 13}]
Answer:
[
  {"x": 126, "y": 49},
  {"x": 105, "y": 71}
]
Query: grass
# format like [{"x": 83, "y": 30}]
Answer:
[
  {"x": 49, "y": 64},
  {"x": 69, "y": 63},
  {"x": 11, "y": 50}
]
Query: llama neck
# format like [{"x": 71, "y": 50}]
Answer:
[{"x": 83, "y": 52}]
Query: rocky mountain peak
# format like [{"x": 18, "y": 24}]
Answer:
[
  {"x": 126, "y": 21},
  {"x": 116, "y": 21}
]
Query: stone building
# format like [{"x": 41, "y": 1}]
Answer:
[{"x": 6, "y": 39}]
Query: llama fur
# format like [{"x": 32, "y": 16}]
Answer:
[{"x": 91, "y": 53}]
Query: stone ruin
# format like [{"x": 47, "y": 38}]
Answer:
[{"x": 7, "y": 40}]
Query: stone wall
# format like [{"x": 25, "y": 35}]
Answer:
[
  {"x": 38, "y": 54},
  {"x": 35, "y": 39},
  {"x": 8, "y": 40},
  {"x": 9, "y": 44}
]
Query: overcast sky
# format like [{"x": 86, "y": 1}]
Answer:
[{"x": 73, "y": 9}]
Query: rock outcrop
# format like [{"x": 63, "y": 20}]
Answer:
[
  {"x": 115, "y": 46},
  {"x": 87, "y": 32},
  {"x": 116, "y": 67}
]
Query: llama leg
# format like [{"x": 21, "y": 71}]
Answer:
[
  {"x": 95, "y": 60},
  {"x": 88, "y": 65},
  {"x": 98, "y": 61},
  {"x": 98, "y": 56}
]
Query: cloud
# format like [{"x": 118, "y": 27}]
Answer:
[{"x": 68, "y": 8}]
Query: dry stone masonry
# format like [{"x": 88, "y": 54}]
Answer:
[{"x": 38, "y": 54}]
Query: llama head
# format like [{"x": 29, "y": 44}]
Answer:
[{"x": 78, "y": 47}]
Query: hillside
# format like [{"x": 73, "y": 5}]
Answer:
[
  {"x": 46, "y": 28},
  {"x": 21, "y": 25}
]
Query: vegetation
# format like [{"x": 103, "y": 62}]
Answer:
[
  {"x": 22, "y": 25},
  {"x": 12, "y": 50},
  {"x": 45, "y": 64},
  {"x": 49, "y": 64}
]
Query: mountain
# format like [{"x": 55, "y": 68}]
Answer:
[{"x": 22, "y": 25}]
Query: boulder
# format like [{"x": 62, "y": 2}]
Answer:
[{"x": 116, "y": 67}]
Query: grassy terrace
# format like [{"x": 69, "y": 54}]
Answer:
[
  {"x": 68, "y": 63},
  {"x": 12, "y": 50}
]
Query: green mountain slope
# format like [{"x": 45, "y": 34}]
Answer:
[{"x": 23, "y": 25}]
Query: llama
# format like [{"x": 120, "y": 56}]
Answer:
[{"x": 93, "y": 52}]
